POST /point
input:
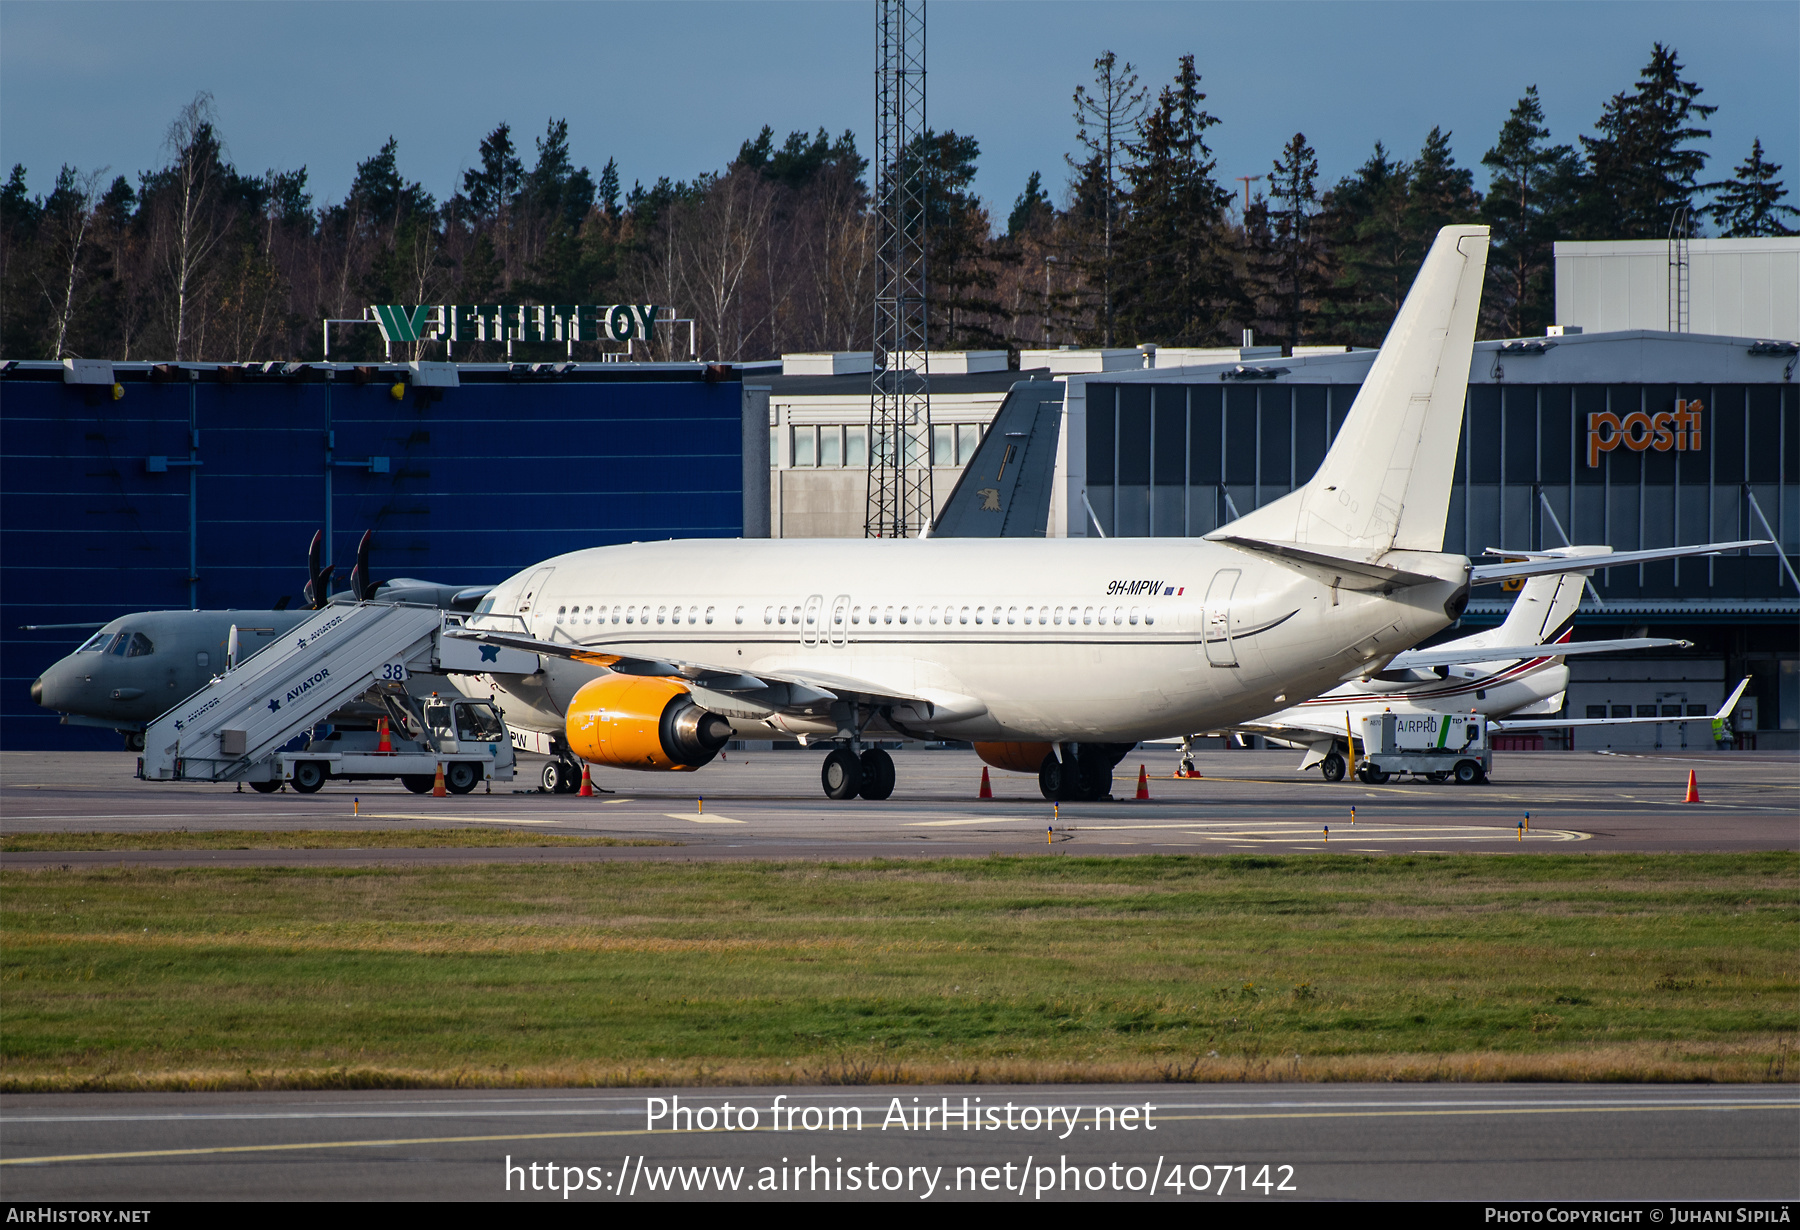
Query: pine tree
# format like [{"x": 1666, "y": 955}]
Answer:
[
  {"x": 1528, "y": 200},
  {"x": 1105, "y": 120},
  {"x": 607, "y": 195},
  {"x": 1032, "y": 210},
  {"x": 1642, "y": 169},
  {"x": 1174, "y": 273},
  {"x": 1749, "y": 203},
  {"x": 1291, "y": 266},
  {"x": 1366, "y": 215}
]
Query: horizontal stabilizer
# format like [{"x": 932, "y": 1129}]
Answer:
[
  {"x": 1490, "y": 574},
  {"x": 1352, "y": 564},
  {"x": 1722, "y": 714}
]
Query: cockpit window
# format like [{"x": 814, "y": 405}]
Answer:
[
  {"x": 478, "y": 722},
  {"x": 139, "y": 646},
  {"x": 95, "y": 643},
  {"x": 119, "y": 642},
  {"x": 486, "y": 605}
]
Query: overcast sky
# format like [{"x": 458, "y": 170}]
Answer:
[{"x": 674, "y": 88}]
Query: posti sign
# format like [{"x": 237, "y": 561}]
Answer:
[
  {"x": 1678, "y": 430},
  {"x": 498, "y": 322}
]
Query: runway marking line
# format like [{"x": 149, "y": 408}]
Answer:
[
  {"x": 697, "y": 819},
  {"x": 1238, "y": 1117}
]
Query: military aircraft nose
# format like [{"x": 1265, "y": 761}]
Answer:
[{"x": 37, "y": 690}]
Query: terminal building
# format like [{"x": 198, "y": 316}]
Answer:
[{"x": 173, "y": 485}]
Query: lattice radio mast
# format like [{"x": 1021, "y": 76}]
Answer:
[{"x": 900, "y": 501}]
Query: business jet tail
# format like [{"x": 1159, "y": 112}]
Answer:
[{"x": 1385, "y": 484}]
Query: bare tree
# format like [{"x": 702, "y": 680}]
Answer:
[
  {"x": 68, "y": 215},
  {"x": 720, "y": 237},
  {"x": 192, "y": 227}
]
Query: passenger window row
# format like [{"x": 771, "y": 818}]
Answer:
[{"x": 948, "y": 615}]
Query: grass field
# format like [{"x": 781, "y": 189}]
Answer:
[
  {"x": 1579, "y": 967},
  {"x": 304, "y": 839}
]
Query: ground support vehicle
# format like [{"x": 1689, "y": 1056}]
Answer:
[{"x": 1436, "y": 746}]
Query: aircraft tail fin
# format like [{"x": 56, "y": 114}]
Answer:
[
  {"x": 1385, "y": 483},
  {"x": 1546, "y": 605}
]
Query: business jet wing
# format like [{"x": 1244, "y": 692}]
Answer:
[
  {"x": 777, "y": 691},
  {"x": 1413, "y": 659},
  {"x": 1539, "y": 565},
  {"x": 1723, "y": 714}
]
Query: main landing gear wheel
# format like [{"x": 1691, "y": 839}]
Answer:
[
  {"x": 1332, "y": 767},
  {"x": 877, "y": 775},
  {"x": 460, "y": 777},
  {"x": 841, "y": 774},
  {"x": 1050, "y": 778},
  {"x": 269, "y": 787},
  {"x": 1468, "y": 773},
  {"x": 309, "y": 775},
  {"x": 134, "y": 740},
  {"x": 560, "y": 777},
  {"x": 418, "y": 783}
]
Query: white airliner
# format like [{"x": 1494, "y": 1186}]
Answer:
[
  {"x": 1054, "y": 655},
  {"x": 1500, "y": 672}
]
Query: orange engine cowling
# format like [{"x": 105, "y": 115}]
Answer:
[
  {"x": 641, "y": 722},
  {"x": 1018, "y": 757}
]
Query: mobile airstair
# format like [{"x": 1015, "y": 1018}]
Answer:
[{"x": 237, "y": 726}]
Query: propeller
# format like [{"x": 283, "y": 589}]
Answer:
[
  {"x": 361, "y": 588},
  {"x": 318, "y": 585}
]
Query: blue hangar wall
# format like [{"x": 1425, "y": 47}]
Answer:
[{"x": 480, "y": 481}]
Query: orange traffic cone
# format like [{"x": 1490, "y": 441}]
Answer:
[
  {"x": 987, "y": 789},
  {"x": 437, "y": 787},
  {"x": 1693, "y": 794},
  {"x": 587, "y": 784},
  {"x": 1143, "y": 783},
  {"x": 385, "y": 747}
]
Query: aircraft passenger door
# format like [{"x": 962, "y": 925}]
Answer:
[
  {"x": 809, "y": 620},
  {"x": 840, "y": 618},
  {"x": 1215, "y": 621},
  {"x": 528, "y": 595}
]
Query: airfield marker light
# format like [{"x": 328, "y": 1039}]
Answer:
[
  {"x": 1521, "y": 830},
  {"x": 1527, "y": 822},
  {"x": 699, "y": 807},
  {"x": 1056, "y": 811},
  {"x": 1048, "y": 830},
  {"x": 1328, "y": 834},
  {"x": 356, "y": 807}
]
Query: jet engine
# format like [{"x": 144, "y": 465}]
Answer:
[
  {"x": 642, "y": 722},
  {"x": 1018, "y": 757}
]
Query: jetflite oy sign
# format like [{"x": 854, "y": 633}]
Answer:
[
  {"x": 1637, "y": 431},
  {"x": 497, "y": 322}
]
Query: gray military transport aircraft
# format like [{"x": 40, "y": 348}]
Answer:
[{"x": 137, "y": 666}]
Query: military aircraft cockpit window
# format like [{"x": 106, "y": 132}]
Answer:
[
  {"x": 485, "y": 605},
  {"x": 95, "y": 643},
  {"x": 478, "y": 722},
  {"x": 140, "y": 646}
]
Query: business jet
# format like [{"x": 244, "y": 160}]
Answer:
[
  {"x": 1053, "y": 655},
  {"x": 1515, "y": 669}
]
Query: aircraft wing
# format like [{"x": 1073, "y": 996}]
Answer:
[
  {"x": 1448, "y": 656},
  {"x": 774, "y": 690},
  {"x": 1489, "y": 574},
  {"x": 1724, "y": 713}
]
